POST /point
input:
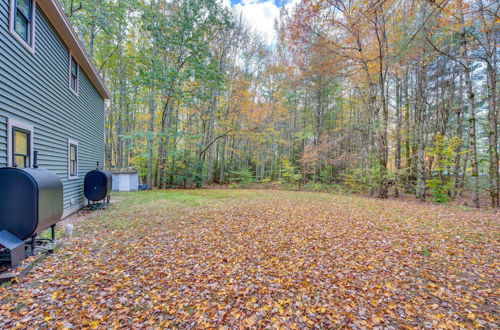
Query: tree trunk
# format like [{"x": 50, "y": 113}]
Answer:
[
  {"x": 383, "y": 152},
  {"x": 489, "y": 42},
  {"x": 262, "y": 173},
  {"x": 150, "y": 143},
  {"x": 472, "y": 118},
  {"x": 408, "y": 135},
  {"x": 459, "y": 130},
  {"x": 420, "y": 128},
  {"x": 222, "y": 179},
  {"x": 493, "y": 137},
  {"x": 399, "y": 119}
]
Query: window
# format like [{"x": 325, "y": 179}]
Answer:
[
  {"x": 20, "y": 144},
  {"x": 72, "y": 159},
  {"x": 73, "y": 75},
  {"x": 21, "y": 147},
  {"x": 22, "y": 22}
]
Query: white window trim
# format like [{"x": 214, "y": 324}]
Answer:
[
  {"x": 11, "y": 123},
  {"x": 70, "y": 143},
  {"x": 12, "y": 31},
  {"x": 77, "y": 75}
]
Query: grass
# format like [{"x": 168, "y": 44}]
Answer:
[
  {"x": 183, "y": 198},
  {"x": 264, "y": 259}
]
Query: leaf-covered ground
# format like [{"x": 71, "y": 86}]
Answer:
[{"x": 265, "y": 259}]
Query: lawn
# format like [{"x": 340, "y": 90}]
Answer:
[{"x": 206, "y": 258}]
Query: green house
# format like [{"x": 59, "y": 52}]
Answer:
[{"x": 51, "y": 96}]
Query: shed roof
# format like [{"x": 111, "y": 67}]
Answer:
[{"x": 57, "y": 17}]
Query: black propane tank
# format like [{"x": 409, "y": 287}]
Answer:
[
  {"x": 31, "y": 200},
  {"x": 98, "y": 185}
]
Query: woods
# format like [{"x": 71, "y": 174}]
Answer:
[
  {"x": 249, "y": 164},
  {"x": 381, "y": 97}
]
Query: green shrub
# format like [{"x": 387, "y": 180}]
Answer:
[
  {"x": 289, "y": 174},
  {"x": 325, "y": 175},
  {"x": 196, "y": 176},
  {"x": 361, "y": 180},
  {"x": 188, "y": 173},
  {"x": 241, "y": 178},
  {"x": 439, "y": 190},
  {"x": 443, "y": 152}
]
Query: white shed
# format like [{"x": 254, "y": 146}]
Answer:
[{"x": 126, "y": 181}]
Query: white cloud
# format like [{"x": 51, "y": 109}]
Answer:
[
  {"x": 292, "y": 4},
  {"x": 261, "y": 16}
]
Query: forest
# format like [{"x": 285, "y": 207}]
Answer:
[
  {"x": 379, "y": 97},
  {"x": 292, "y": 173}
]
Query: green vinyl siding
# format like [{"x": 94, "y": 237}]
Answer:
[
  {"x": 3, "y": 141},
  {"x": 34, "y": 90}
]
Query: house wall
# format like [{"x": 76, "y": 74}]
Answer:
[
  {"x": 34, "y": 90},
  {"x": 3, "y": 140}
]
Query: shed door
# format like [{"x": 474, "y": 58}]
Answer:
[{"x": 124, "y": 183}]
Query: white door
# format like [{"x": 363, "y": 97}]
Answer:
[{"x": 124, "y": 182}]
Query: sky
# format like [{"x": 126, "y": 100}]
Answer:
[{"x": 261, "y": 13}]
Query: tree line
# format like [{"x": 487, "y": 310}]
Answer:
[{"x": 379, "y": 96}]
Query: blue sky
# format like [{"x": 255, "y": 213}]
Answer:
[
  {"x": 276, "y": 2},
  {"x": 261, "y": 14}
]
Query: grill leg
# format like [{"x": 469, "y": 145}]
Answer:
[
  {"x": 33, "y": 244},
  {"x": 53, "y": 235}
]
